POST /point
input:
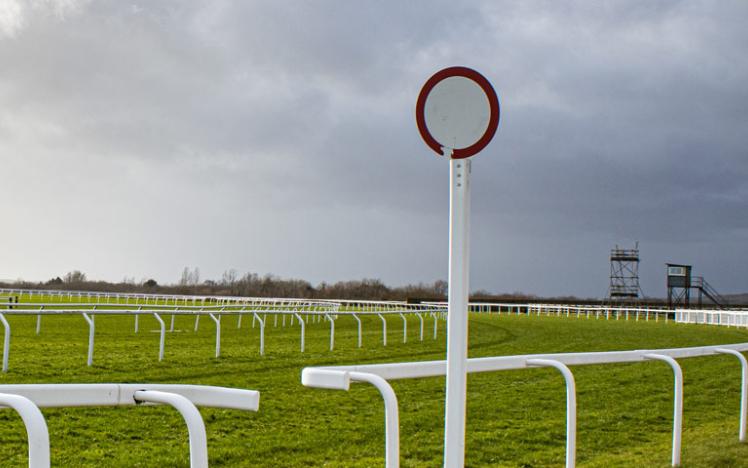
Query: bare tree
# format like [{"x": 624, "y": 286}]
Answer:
[{"x": 74, "y": 276}]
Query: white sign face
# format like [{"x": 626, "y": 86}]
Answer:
[{"x": 457, "y": 112}]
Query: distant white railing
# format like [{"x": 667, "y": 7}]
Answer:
[
  {"x": 608, "y": 312},
  {"x": 727, "y": 318},
  {"x": 29, "y": 398},
  {"x": 340, "y": 378}
]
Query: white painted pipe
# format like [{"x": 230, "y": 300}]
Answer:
[
  {"x": 332, "y": 331},
  {"x": 191, "y": 415},
  {"x": 302, "y": 330},
  {"x": 91, "y": 328},
  {"x": 743, "y": 390},
  {"x": 162, "y": 338},
  {"x": 36, "y": 428},
  {"x": 262, "y": 333},
  {"x": 6, "y": 342},
  {"x": 457, "y": 319},
  {"x": 384, "y": 330},
  {"x": 391, "y": 416},
  {"x": 571, "y": 406},
  {"x": 359, "y": 329},
  {"x": 405, "y": 328},
  {"x": 420, "y": 317},
  {"x": 677, "y": 403},
  {"x": 218, "y": 334}
]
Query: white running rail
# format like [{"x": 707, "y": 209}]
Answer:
[
  {"x": 26, "y": 399},
  {"x": 300, "y": 312},
  {"x": 728, "y": 318},
  {"x": 340, "y": 378}
]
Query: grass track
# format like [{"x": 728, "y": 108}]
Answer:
[{"x": 515, "y": 418}]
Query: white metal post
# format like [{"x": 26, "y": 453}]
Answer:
[
  {"x": 571, "y": 406},
  {"x": 384, "y": 329},
  {"x": 420, "y": 317},
  {"x": 303, "y": 327},
  {"x": 743, "y": 390},
  {"x": 262, "y": 333},
  {"x": 457, "y": 317},
  {"x": 36, "y": 428},
  {"x": 90, "y": 322},
  {"x": 6, "y": 342},
  {"x": 191, "y": 415},
  {"x": 359, "y": 329},
  {"x": 391, "y": 417},
  {"x": 332, "y": 331},
  {"x": 677, "y": 403},
  {"x": 405, "y": 328},
  {"x": 218, "y": 334},
  {"x": 162, "y": 337}
]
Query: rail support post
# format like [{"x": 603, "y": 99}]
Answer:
[
  {"x": 571, "y": 406},
  {"x": 91, "y": 328},
  {"x": 36, "y": 428},
  {"x": 191, "y": 415},
  {"x": 137, "y": 318},
  {"x": 332, "y": 331},
  {"x": 743, "y": 389},
  {"x": 359, "y": 328},
  {"x": 677, "y": 402},
  {"x": 262, "y": 332},
  {"x": 405, "y": 328},
  {"x": 384, "y": 330},
  {"x": 162, "y": 337},
  {"x": 391, "y": 417},
  {"x": 420, "y": 317},
  {"x": 302, "y": 329},
  {"x": 218, "y": 334},
  {"x": 6, "y": 342},
  {"x": 39, "y": 321}
]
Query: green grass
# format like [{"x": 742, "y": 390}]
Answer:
[{"x": 515, "y": 418}]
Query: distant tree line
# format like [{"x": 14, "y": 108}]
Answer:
[{"x": 254, "y": 285}]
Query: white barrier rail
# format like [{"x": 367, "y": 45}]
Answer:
[
  {"x": 609, "y": 312},
  {"x": 340, "y": 378},
  {"x": 727, "y": 318},
  {"x": 26, "y": 399},
  {"x": 300, "y": 312}
]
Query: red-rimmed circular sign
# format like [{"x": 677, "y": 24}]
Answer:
[{"x": 457, "y": 109}]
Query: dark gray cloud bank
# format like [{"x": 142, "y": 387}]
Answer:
[{"x": 138, "y": 138}]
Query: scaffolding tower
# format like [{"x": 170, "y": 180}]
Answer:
[{"x": 624, "y": 274}]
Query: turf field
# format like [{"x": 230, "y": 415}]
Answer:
[{"x": 515, "y": 418}]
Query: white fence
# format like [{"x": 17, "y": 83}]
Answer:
[
  {"x": 280, "y": 310},
  {"x": 728, "y": 318},
  {"x": 28, "y": 399},
  {"x": 340, "y": 378}
]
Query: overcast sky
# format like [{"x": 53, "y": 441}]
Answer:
[{"x": 137, "y": 138}]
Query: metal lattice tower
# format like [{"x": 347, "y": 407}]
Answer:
[{"x": 624, "y": 274}]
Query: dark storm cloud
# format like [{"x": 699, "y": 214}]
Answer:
[{"x": 286, "y": 130}]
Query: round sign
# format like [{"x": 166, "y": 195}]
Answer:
[{"x": 457, "y": 109}]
